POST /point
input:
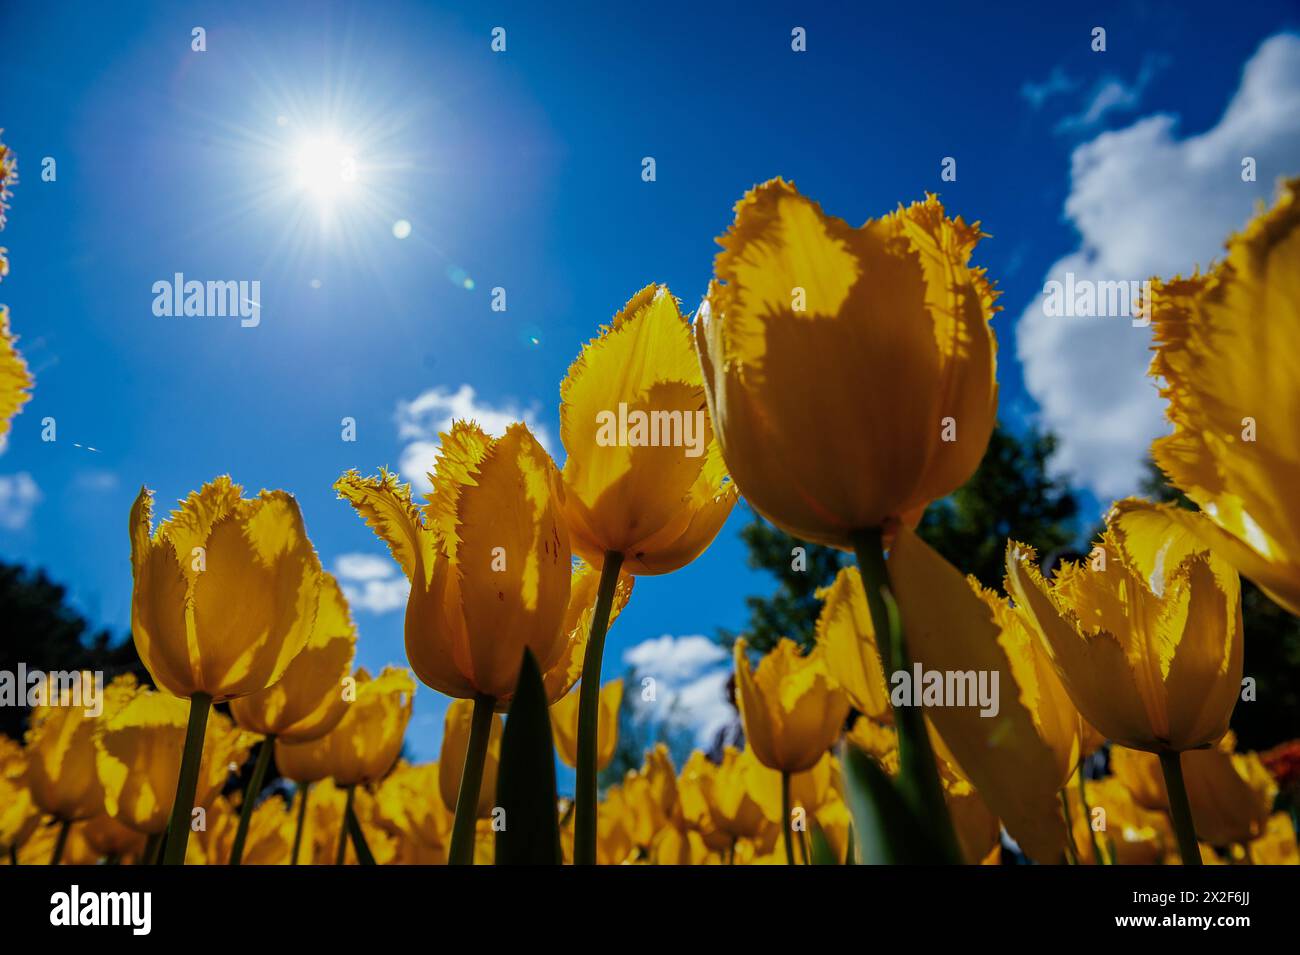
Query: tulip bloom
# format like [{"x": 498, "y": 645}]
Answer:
[
  {"x": 645, "y": 486},
  {"x": 15, "y": 381},
  {"x": 564, "y": 724},
  {"x": 138, "y": 757},
  {"x": 1225, "y": 346},
  {"x": 19, "y": 815},
  {"x": 810, "y": 333},
  {"x": 1146, "y": 636},
  {"x": 792, "y": 710},
  {"x": 307, "y": 702},
  {"x": 456, "y": 731},
  {"x": 1231, "y": 794},
  {"x": 225, "y": 597},
  {"x": 848, "y": 641},
  {"x": 60, "y": 752},
  {"x": 490, "y": 568},
  {"x": 365, "y": 743}
]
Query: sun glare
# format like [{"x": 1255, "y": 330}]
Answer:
[{"x": 325, "y": 168}]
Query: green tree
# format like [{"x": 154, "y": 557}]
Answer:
[{"x": 44, "y": 632}]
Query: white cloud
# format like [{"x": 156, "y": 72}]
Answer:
[
  {"x": 97, "y": 482},
  {"x": 1146, "y": 202},
  {"x": 1112, "y": 95},
  {"x": 691, "y": 675},
  {"x": 372, "y": 583},
  {"x": 420, "y": 421},
  {"x": 19, "y": 496},
  {"x": 1057, "y": 84}
]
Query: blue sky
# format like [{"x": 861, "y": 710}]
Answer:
[{"x": 522, "y": 170}]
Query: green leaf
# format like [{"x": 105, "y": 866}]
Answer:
[
  {"x": 526, "y": 777},
  {"x": 822, "y": 853},
  {"x": 888, "y": 832}
]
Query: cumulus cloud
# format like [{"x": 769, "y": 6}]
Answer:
[
  {"x": 1147, "y": 201},
  {"x": 422, "y": 419},
  {"x": 19, "y": 496},
  {"x": 690, "y": 676},
  {"x": 371, "y": 582}
]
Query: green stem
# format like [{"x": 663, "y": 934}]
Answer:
[
  {"x": 1071, "y": 850},
  {"x": 785, "y": 816},
  {"x": 61, "y": 841},
  {"x": 303, "y": 790},
  {"x": 364, "y": 855},
  {"x": 1097, "y": 857},
  {"x": 152, "y": 848},
  {"x": 13, "y": 855},
  {"x": 178, "y": 829},
  {"x": 250, "y": 796},
  {"x": 584, "y": 832},
  {"x": 918, "y": 774},
  {"x": 471, "y": 780},
  {"x": 343, "y": 826},
  {"x": 1180, "y": 810}
]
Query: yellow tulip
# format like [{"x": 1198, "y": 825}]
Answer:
[
  {"x": 1277, "y": 846},
  {"x": 138, "y": 757},
  {"x": 848, "y": 640},
  {"x": 365, "y": 743},
  {"x": 1022, "y": 752},
  {"x": 409, "y": 801},
  {"x": 19, "y": 815},
  {"x": 791, "y": 707},
  {"x": 225, "y": 590},
  {"x": 451, "y": 761},
  {"x": 811, "y": 332},
  {"x": 308, "y": 700},
  {"x": 111, "y": 839},
  {"x": 15, "y": 380},
  {"x": 650, "y": 796},
  {"x": 268, "y": 843},
  {"x": 1225, "y": 345},
  {"x": 488, "y": 560},
  {"x": 1231, "y": 793},
  {"x": 734, "y": 805},
  {"x": 1124, "y": 831},
  {"x": 644, "y": 477},
  {"x": 698, "y": 796},
  {"x": 564, "y": 723},
  {"x": 1149, "y": 648},
  {"x": 61, "y": 748}
]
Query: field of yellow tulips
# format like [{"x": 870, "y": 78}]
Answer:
[{"x": 840, "y": 379}]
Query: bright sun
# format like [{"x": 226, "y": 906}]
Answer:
[{"x": 325, "y": 168}]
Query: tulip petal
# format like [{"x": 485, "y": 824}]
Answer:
[{"x": 950, "y": 629}]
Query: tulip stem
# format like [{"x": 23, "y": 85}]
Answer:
[
  {"x": 13, "y": 855},
  {"x": 187, "y": 781},
  {"x": 302, "y": 815},
  {"x": 250, "y": 796},
  {"x": 359, "y": 844},
  {"x": 1071, "y": 850},
  {"x": 343, "y": 826},
  {"x": 785, "y": 816},
  {"x": 584, "y": 831},
  {"x": 918, "y": 776},
  {"x": 1180, "y": 810},
  {"x": 61, "y": 841},
  {"x": 1097, "y": 857},
  {"x": 152, "y": 846},
  {"x": 471, "y": 780}
]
